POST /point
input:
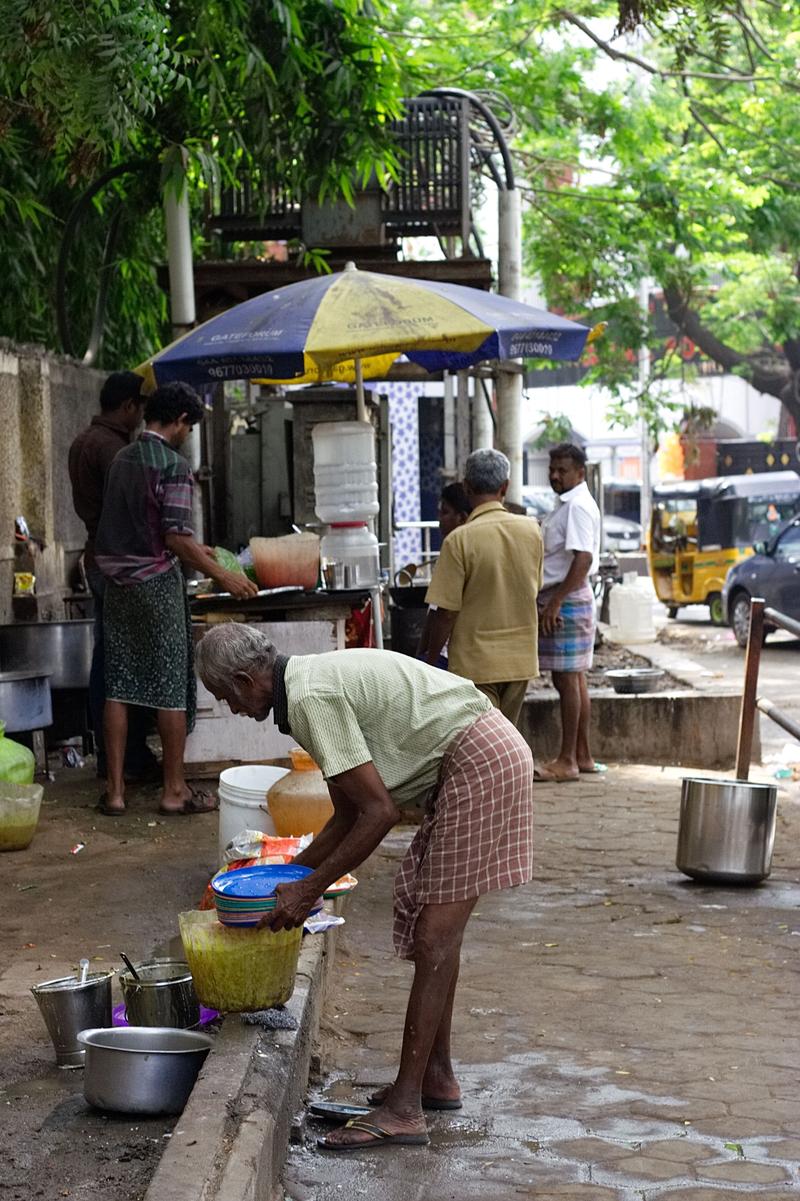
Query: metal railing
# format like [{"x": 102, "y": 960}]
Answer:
[{"x": 760, "y": 615}]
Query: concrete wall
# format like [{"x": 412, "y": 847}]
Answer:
[
  {"x": 45, "y": 400},
  {"x": 677, "y": 729}
]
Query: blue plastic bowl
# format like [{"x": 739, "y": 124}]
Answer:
[{"x": 261, "y": 880}]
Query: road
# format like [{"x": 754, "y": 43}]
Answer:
[{"x": 716, "y": 649}]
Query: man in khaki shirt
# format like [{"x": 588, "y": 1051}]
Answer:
[{"x": 485, "y": 586}]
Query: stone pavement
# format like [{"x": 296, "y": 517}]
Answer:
[{"x": 621, "y": 1032}]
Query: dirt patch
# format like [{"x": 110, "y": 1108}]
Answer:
[{"x": 123, "y": 891}]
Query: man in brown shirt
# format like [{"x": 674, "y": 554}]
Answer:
[
  {"x": 485, "y": 585},
  {"x": 90, "y": 456}
]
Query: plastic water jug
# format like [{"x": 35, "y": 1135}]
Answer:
[
  {"x": 345, "y": 474},
  {"x": 630, "y": 611},
  {"x": 300, "y": 802},
  {"x": 350, "y": 557}
]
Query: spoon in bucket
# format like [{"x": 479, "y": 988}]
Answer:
[
  {"x": 129, "y": 965},
  {"x": 84, "y": 971}
]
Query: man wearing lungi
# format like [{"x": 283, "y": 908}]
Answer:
[
  {"x": 567, "y": 609},
  {"x": 387, "y": 730},
  {"x": 144, "y": 535}
]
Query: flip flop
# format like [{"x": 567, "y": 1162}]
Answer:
[
  {"x": 103, "y": 807},
  {"x": 437, "y": 1103},
  {"x": 333, "y": 1111},
  {"x": 194, "y": 804},
  {"x": 599, "y": 769},
  {"x": 541, "y": 778},
  {"x": 378, "y": 1138}
]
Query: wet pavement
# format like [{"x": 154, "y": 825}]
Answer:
[{"x": 621, "y": 1032}]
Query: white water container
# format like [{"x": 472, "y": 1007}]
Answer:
[
  {"x": 345, "y": 474},
  {"x": 350, "y": 557},
  {"x": 630, "y": 611},
  {"x": 243, "y": 800}
]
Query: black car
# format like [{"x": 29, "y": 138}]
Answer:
[{"x": 773, "y": 573}]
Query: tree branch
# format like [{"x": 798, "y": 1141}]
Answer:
[
  {"x": 774, "y": 381},
  {"x": 621, "y": 56}
]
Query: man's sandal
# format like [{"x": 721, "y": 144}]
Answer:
[{"x": 378, "y": 1138}]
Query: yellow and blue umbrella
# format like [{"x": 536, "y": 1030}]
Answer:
[{"x": 354, "y": 324}]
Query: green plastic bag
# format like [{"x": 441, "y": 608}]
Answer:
[
  {"x": 228, "y": 560},
  {"x": 17, "y": 763}
]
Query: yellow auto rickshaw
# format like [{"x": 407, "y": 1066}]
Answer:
[{"x": 700, "y": 528}]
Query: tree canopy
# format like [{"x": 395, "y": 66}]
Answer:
[
  {"x": 299, "y": 89},
  {"x": 670, "y": 156},
  {"x": 669, "y": 153}
]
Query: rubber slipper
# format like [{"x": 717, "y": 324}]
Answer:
[
  {"x": 332, "y": 1111},
  {"x": 378, "y": 1138},
  {"x": 436, "y": 1103},
  {"x": 546, "y": 778},
  {"x": 103, "y": 807},
  {"x": 195, "y": 803},
  {"x": 599, "y": 769}
]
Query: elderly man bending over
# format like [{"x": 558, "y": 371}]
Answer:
[{"x": 386, "y": 730}]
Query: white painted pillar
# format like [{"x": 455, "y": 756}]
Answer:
[
  {"x": 179, "y": 258},
  {"x": 644, "y": 376},
  {"x": 178, "y": 231},
  {"x": 482, "y": 424},
  {"x": 509, "y": 387}
]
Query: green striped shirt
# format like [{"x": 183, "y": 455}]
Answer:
[{"x": 359, "y": 706}]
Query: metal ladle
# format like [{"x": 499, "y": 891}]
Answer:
[
  {"x": 84, "y": 971},
  {"x": 129, "y": 965}
]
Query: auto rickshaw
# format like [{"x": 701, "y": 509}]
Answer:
[{"x": 700, "y": 528}]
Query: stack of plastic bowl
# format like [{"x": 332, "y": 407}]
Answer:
[{"x": 244, "y": 896}]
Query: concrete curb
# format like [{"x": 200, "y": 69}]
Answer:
[{"x": 231, "y": 1140}]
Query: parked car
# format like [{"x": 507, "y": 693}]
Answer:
[
  {"x": 773, "y": 573},
  {"x": 622, "y": 534}
]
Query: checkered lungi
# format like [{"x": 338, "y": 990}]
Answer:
[
  {"x": 571, "y": 647},
  {"x": 477, "y": 832}
]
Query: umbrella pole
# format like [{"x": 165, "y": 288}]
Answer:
[{"x": 361, "y": 408}]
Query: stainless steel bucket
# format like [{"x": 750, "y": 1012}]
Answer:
[
  {"x": 162, "y": 996},
  {"x": 142, "y": 1069},
  {"x": 726, "y": 831},
  {"x": 68, "y": 1007}
]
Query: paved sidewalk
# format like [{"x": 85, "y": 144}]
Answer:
[{"x": 621, "y": 1032}]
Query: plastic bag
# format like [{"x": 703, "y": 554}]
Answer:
[
  {"x": 17, "y": 763},
  {"x": 251, "y": 847}
]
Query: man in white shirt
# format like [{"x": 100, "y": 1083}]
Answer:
[{"x": 566, "y": 607}]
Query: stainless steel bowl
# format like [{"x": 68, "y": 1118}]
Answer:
[
  {"x": 634, "y": 679},
  {"x": 142, "y": 1069},
  {"x": 726, "y": 831}
]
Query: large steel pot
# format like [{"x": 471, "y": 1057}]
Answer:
[
  {"x": 726, "y": 831},
  {"x": 162, "y": 994},
  {"x": 142, "y": 1069},
  {"x": 60, "y": 649}
]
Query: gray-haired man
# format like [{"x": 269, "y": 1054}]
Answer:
[
  {"x": 485, "y": 586},
  {"x": 387, "y": 730}
]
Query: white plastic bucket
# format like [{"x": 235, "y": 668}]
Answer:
[{"x": 243, "y": 800}]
